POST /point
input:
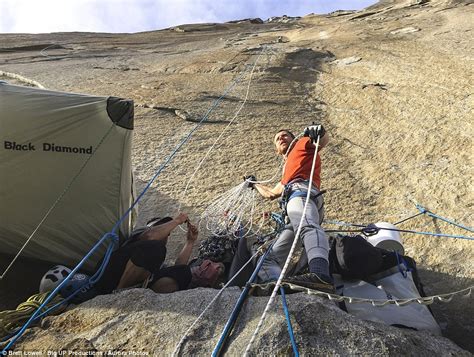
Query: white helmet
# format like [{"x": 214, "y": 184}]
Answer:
[{"x": 53, "y": 278}]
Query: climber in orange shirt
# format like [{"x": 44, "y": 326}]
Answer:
[{"x": 293, "y": 188}]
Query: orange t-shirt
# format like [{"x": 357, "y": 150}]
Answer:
[{"x": 299, "y": 162}]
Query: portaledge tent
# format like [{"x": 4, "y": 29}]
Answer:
[{"x": 46, "y": 137}]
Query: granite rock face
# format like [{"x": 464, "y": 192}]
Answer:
[
  {"x": 140, "y": 321},
  {"x": 392, "y": 84}
]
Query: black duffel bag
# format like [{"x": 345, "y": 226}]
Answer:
[{"x": 354, "y": 258}]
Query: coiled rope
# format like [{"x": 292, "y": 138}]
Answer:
[
  {"x": 231, "y": 212},
  {"x": 10, "y": 320},
  {"x": 236, "y": 208},
  {"x": 112, "y": 235}
]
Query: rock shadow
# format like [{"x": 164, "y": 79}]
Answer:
[
  {"x": 454, "y": 317},
  {"x": 302, "y": 66},
  {"x": 22, "y": 280}
]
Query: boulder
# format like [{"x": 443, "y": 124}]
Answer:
[{"x": 138, "y": 321}]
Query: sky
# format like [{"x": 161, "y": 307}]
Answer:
[{"x": 43, "y": 16}]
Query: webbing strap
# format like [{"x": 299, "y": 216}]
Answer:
[{"x": 295, "y": 194}]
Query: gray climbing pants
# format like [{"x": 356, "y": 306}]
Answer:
[{"x": 312, "y": 236}]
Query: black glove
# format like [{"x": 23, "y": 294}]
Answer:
[
  {"x": 250, "y": 178},
  {"x": 314, "y": 131}
]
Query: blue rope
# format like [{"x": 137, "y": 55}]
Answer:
[
  {"x": 113, "y": 233},
  {"x": 178, "y": 147},
  {"x": 288, "y": 320},
  {"x": 98, "y": 274},
  {"x": 92, "y": 280},
  {"x": 391, "y": 229},
  {"x": 404, "y": 231},
  {"x": 422, "y": 210},
  {"x": 37, "y": 314},
  {"x": 431, "y": 214},
  {"x": 238, "y": 306}
]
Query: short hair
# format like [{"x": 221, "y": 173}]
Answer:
[{"x": 287, "y": 131}]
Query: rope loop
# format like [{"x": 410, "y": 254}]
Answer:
[
  {"x": 445, "y": 298},
  {"x": 468, "y": 294},
  {"x": 114, "y": 238}
]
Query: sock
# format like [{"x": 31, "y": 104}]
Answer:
[{"x": 320, "y": 266}]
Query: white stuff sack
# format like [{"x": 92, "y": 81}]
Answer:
[{"x": 390, "y": 287}]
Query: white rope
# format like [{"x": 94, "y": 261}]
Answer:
[
  {"x": 233, "y": 213},
  {"x": 290, "y": 254},
  {"x": 426, "y": 300},
  {"x": 21, "y": 79},
  {"x": 227, "y": 126},
  {"x": 183, "y": 339},
  {"x": 43, "y": 51}
]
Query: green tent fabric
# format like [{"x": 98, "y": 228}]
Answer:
[{"x": 46, "y": 137}]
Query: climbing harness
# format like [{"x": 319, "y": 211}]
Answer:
[
  {"x": 290, "y": 254},
  {"x": 288, "y": 194}
]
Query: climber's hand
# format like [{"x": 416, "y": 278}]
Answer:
[
  {"x": 251, "y": 180},
  {"x": 314, "y": 131}
]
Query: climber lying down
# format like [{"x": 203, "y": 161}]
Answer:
[{"x": 141, "y": 258}]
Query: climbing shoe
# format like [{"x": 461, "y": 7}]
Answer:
[{"x": 311, "y": 281}]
